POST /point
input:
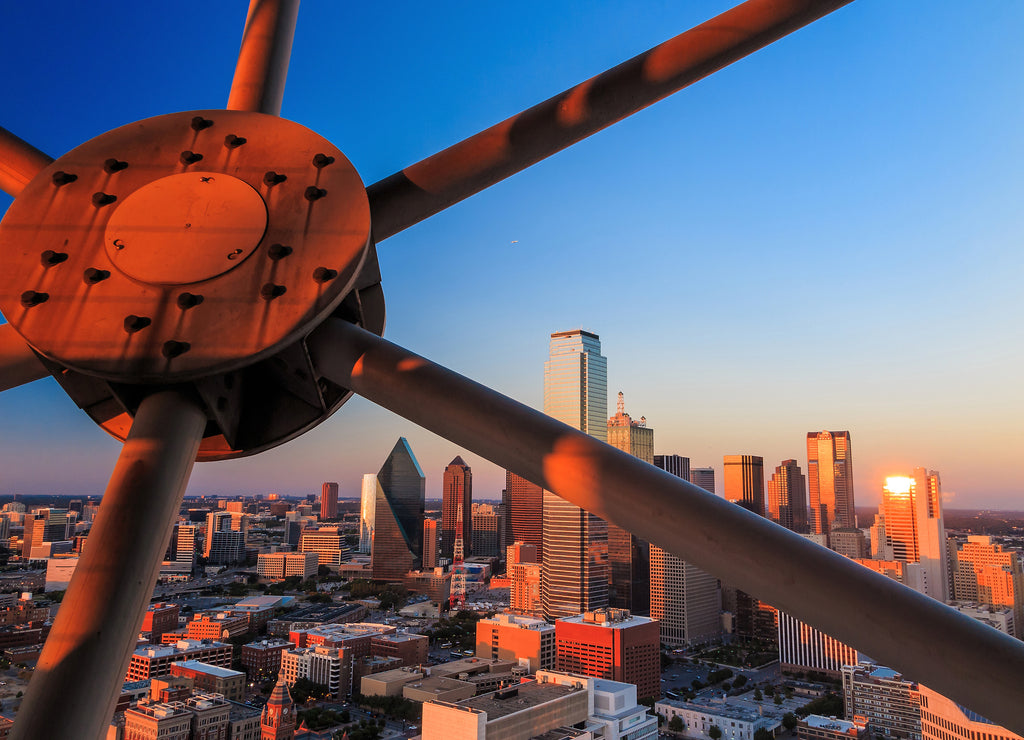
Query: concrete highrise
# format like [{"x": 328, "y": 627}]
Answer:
[
  {"x": 329, "y": 501},
  {"x": 685, "y": 600},
  {"x": 830, "y": 481},
  {"x": 787, "y": 497},
  {"x": 398, "y": 515},
  {"x": 744, "y": 481},
  {"x": 914, "y": 531},
  {"x": 456, "y": 492},
  {"x": 367, "y": 506},
  {"x": 574, "y": 574},
  {"x": 629, "y": 556}
]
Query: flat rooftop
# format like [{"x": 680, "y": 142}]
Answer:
[
  {"x": 212, "y": 670},
  {"x": 530, "y": 694}
]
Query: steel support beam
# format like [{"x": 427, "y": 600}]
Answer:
[
  {"x": 83, "y": 664},
  {"x": 442, "y": 180},
  {"x": 18, "y": 363},
  {"x": 926, "y": 640},
  {"x": 19, "y": 162},
  {"x": 262, "y": 65}
]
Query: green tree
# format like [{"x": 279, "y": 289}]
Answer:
[
  {"x": 758, "y": 696},
  {"x": 740, "y": 682},
  {"x": 676, "y": 724},
  {"x": 789, "y": 721},
  {"x": 763, "y": 734},
  {"x": 778, "y": 700},
  {"x": 714, "y": 732}
]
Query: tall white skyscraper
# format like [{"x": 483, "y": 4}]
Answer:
[
  {"x": 367, "y": 502},
  {"x": 574, "y": 574}
]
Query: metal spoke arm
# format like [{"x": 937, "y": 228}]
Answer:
[
  {"x": 262, "y": 65},
  {"x": 440, "y": 181},
  {"x": 18, "y": 363},
  {"x": 19, "y": 162},
  {"x": 905, "y": 629},
  {"x": 82, "y": 667}
]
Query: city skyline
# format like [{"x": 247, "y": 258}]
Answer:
[{"x": 876, "y": 172}]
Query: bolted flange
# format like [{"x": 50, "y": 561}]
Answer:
[{"x": 157, "y": 267}]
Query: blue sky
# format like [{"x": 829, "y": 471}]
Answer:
[{"x": 825, "y": 235}]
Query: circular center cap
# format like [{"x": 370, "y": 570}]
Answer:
[{"x": 185, "y": 228}]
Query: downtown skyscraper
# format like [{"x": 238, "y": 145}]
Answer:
[
  {"x": 744, "y": 481},
  {"x": 456, "y": 492},
  {"x": 398, "y": 515},
  {"x": 629, "y": 556},
  {"x": 914, "y": 529},
  {"x": 787, "y": 497},
  {"x": 574, "y": 574},
  {"x": 329, "y": 501},
  {"x": 830, "y": 481}
]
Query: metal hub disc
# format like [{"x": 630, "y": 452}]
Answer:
[
  {"x": 185, "y": 228},
  {"x": 183, "y": 246}
]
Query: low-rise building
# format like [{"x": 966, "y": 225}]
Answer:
[
  {"x": 389, "y": 683},
  {"x": 890, "y": 704},
  {"x": 734, "y": 721},
  {"x": 517, "y": 638},
  {"x": 410, "y": 648},
  {"x": 816, "y": 727},
  {"x": 157, "y": 720},
  {"x": 519, "y": 712},
  {"x": 322, "y": 665},
  {"x": 262, "y": 659},
  {"x": 160, "y": 618},
  {"x": 151, "y": 661},
  {"x": 276, "y": 566},
  {"x": 212, "y": 679},
  {"x": 217, "y": 626}
]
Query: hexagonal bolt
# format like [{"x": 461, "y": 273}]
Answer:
[
  {"x": 189, "y": 157},
  {"x": 93, "y": 275},
  {"x": 101, "y": 199},
  {"x": 133, "y": 323},
  {"x": 199, "y": 123},
  {"x": 324, "y": 274},
  {"x": 189, "y": 300},
  {"x": 270, "y": 291},
  {"x": 61, "y": 178},
  {"x": 314, "y": 193},
  {"x": 233, "y": 142},
  {"x": 174, "y": 348},
  {"x": 278, "y": 251},
  {"x": 32, "y": 298},
  {"x": 114, "y": 165},
  {"x": 274, "y": 178},
  {"x": 322, "y": 160},
  {"x": 49, "y": 258}
]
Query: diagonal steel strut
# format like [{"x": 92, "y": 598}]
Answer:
[
  {"x": 442, "y": 180},
  {"x": 81, "y": 669},
  {"x": 262, "y": 64},
  {"x": 19, "y": 162},
  {"x": 907, "y": 630}
]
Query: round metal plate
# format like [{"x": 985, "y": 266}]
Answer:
[
  {"x": 176, "y": 312},
  {"x": 185, "y": 228}
]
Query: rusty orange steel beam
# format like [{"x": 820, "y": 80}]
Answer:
[
  {"x": 926, "y": 640},
  {"x": 18, "y": 363},
  {"x": 80, "y": 671},
  {"x": 19, "y": 162},
  {"x": 427, "y": 187},
  {"x": 262, "y": 64}
]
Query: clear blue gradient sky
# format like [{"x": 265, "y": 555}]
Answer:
[{"x": 825, "y": 235}]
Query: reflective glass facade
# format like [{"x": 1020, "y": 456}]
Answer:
[
  {"x": 574, "y": 575},
  {"x": 830, "y": 481},
  {"x": 398, "y": 515}
]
